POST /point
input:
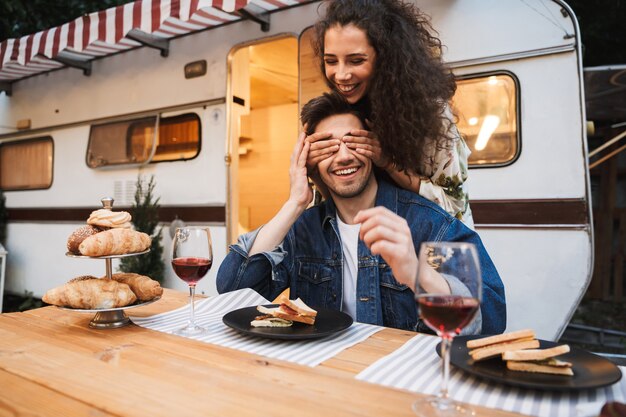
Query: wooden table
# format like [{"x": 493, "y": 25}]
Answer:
[{"x": 53, "y": 364}]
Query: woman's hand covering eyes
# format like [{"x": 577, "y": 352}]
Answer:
[
  {"x": 322, "y": 146},
  {"x": 366, "y": 143}
]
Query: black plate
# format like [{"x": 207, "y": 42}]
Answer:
[
  {"x": 590, "y": 371},
  {"x": 327, "y": 322}
]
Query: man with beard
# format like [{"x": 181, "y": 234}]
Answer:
[{"x": 356, "y": 251}]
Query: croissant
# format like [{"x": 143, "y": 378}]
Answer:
[
  {"x": 144, "y": 287},
  {"x": 91, "y": 293},
  {"x": 115, "y": 242}
]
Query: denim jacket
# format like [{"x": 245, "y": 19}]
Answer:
[{"x": 310, "y": 262}]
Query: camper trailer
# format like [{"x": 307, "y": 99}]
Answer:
[{"x": 204, "y": 98}]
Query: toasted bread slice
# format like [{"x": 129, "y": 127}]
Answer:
[
  {"x": 499, "y": 348},
  {"x": 267, "y": 310},
  {"x": 300, "y": 306},
  {"x": 535, "y": 354},
  {"x": 282, "y": 297},
  {"x": 534, "y": 367},
  {"x": 500, "y": 338}
]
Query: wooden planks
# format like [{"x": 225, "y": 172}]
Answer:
[
  {"x": 21, "y": 397},
  {"x": 131, "y": 371},
  {"x": 114, "y": 374}
]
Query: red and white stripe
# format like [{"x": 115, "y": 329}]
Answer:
[{"x": 104, "y": 33}]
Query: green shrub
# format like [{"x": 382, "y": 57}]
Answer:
[
  {"x": 145, "y": 213},
  {"x": 29, "y": 302}
]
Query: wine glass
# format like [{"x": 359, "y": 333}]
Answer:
[
  {"x": 447, "y": 314},
  {"x": 192, "y": 257}
]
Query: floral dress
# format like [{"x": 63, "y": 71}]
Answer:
[{"x": 446, "y": 175}]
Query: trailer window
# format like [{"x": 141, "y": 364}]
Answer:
[
  {"x": 179, "y": 138},
  {"x": 26, "y": 164},
  {"x": 487, "y": 111},
  {"x": 134, "y": 142}
]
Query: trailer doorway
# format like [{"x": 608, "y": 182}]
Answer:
[{"x": 263, "y": 109}]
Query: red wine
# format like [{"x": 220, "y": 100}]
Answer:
[
  {"x": 191, "y": 270},
  {"x": 447, "y": 313}
]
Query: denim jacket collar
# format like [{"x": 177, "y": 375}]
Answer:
[{"x": 387, "y": 195}]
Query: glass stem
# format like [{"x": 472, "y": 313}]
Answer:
[
  {"x": 192, "y": 306},
  {"x": 446, "y": 342}
]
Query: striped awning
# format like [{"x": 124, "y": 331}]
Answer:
[{"x": 143, "y": 22}]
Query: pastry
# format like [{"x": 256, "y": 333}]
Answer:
[
  {"x": 91, "y": 293},
  {"x": 115, "y": 242},
  {"x": 78, "y": 235},
  {"x": 82, "y": 278},
  {"x": 108, "y": 218},
  {"x": 144, "y": 287}
]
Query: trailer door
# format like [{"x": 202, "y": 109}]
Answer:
[{"x": 263, "y": 104}]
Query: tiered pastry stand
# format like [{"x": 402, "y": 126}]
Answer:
[{"x": 109, "y": 318}]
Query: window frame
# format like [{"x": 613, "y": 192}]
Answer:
[
  {"x": 133, "y": 122},
  {"x": 518, "y": 115},
  {"x": 36, "y": 139},
  {"x": 182, "y": 115}
]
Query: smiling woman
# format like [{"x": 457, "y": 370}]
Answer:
[{"x": 383, "y": 58}]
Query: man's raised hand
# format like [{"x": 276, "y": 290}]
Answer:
[{"x": 388, "y": 235}]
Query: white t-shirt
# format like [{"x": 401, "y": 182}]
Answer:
[{"x": 349, "y": 234}]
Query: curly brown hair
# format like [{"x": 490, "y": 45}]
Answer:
[{"x": 410, "y": 85}]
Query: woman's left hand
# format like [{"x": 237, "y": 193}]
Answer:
[
  {"x": 366, "y": 143},
  {"x": 300, "y": 192}
]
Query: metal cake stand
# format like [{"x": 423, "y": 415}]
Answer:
[{"x": 109, "y": 318}]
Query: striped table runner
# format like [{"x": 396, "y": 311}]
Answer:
[
  {"x": 416, "y": 367},
  {"x": 209, "y": 313}
]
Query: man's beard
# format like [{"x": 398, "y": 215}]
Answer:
[{"x": 350, "y": 190}]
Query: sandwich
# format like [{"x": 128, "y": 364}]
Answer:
[
  {"x": 267, "y": 320},
  {"x": 489, "y": 347},
  {"x": 286, "y": 313},
  {"x": 539, "y": 360}
]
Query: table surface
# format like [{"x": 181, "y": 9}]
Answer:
[{"x": 53, "y": 364}]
